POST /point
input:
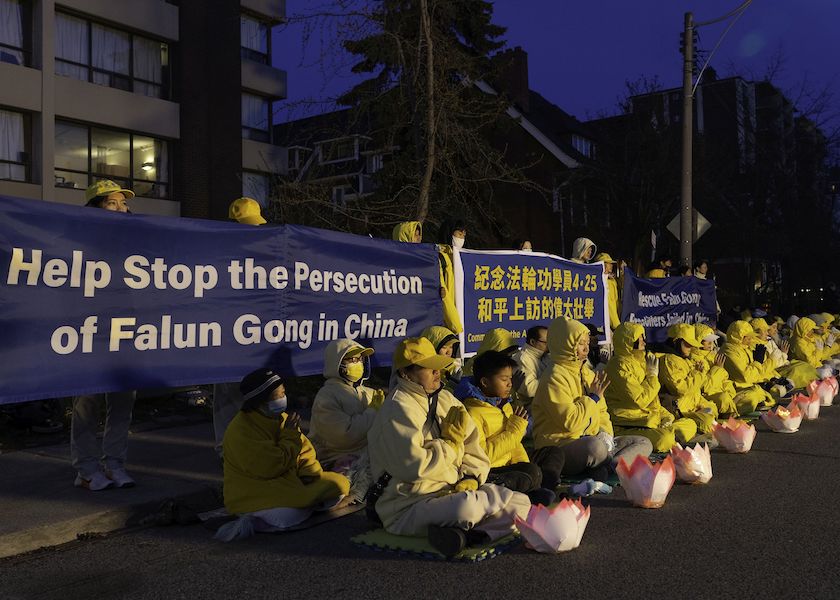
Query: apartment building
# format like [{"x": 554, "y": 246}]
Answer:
[{"x": 171, "y": 98}]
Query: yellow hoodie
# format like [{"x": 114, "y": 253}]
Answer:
[
  {"x": 498, "y": 339},
  {"x": 683, "y": 378},
  {"x": 632, "y": 396},
  {"x": 404, "y": 232},
  {"x": 269, "y": 466},
  {"x": 717, "y": 387},
  {"x": 562, "y": 410},
  {"x": 745, "y": 372}
]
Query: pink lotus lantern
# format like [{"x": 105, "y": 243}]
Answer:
[
  {"x": 694, "y": 465},
  {"x": 823, "y": 391},
  {"x": 783, "y": 420},
  {"x": 557, "y": 529},
  {"x": 646, "y": 484},
  {"x": 809, "y": 407},
  {"x": 735, "y": 436},
  {"x": 832, "y": 382}
]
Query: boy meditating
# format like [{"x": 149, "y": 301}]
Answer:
[{"x": 501, "y": 427}]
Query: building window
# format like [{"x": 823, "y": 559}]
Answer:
[
  {"x": 256, "y": 186},
  {"x": 256, "y": 39},
  {"x": 14, "y": 32},
  {"x": 584, "y": 146},
  {"x": 84, "y": 154},
  {"x": 256, "y": 118},
  {"x": 14, "y": 146},
  {"x": 110, "y": 57}
]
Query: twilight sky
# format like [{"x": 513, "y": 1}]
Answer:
[{"x": 581, "y": 53}]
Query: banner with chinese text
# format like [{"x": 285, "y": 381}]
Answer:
[{"x": 518, "y": 290}]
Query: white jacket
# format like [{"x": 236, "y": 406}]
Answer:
[
  {"x": 531, "y": 365},
  {"x": 402, "y": 442},
  {"x": 341, "y": 413}
]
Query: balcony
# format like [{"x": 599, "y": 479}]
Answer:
[
  {"x": 150, "y": 16},
  {"x": 273, "y": 11},
  {"x": 263, "y": 80}
]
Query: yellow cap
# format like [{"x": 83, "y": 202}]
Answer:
[
  {"x": 603, "y": 257},
  {"x": 247, "y": 211},
  {"x": 358, "y": 351},
  {"x": 685, "y": 332},
  {"x": 419, "y": 351},
  {"x": 104, "y": 187}
]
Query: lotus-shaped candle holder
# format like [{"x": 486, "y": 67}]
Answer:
[
  {"x": 783, "y": 420},
  {"x": 557, "y": 529},
  {"x": 694, "y": 465},
  {"x": 735, "y": 436},
  {"x": 647, "y": 484},
  {"x": 809, "y": 407},
  {"x": 823, "y": 390}
]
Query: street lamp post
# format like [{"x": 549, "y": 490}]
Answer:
[{"x": 686, "y": 221}]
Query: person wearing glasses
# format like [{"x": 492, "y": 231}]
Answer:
[{"x": 532, "y": 361}]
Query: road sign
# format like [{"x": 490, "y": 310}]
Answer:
[{"x": 701, "y": 225}]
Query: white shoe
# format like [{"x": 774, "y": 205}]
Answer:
[
  {"x": 96, "y": 482},
  {"x": 119, "y": 477}
]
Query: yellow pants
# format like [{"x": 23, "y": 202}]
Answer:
[
  {"x": 663, "y": 438},
  {"x": 799, "y": 372},
  {"x": 704, "y": 421},
  {"x": 747, "y": 400},
  {"x": 724, "y": 401}
]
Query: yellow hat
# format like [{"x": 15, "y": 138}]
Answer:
[
  {"x": 104, "y": 187},
  {"x": 684, "y": 332},
  {"x": 247, "y": 211},
  {"x": 604, "y": 257},
  {"x": 419, "y": 351},
  {"x": 358, "y": 351}
]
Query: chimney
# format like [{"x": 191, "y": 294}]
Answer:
[{"x": 514, "y": 76}]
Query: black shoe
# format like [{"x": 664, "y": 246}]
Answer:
[
  {"x": 476, "y": 537},
  {"x": 542, "y": 496},
  {"x": 449, "y": 541}
]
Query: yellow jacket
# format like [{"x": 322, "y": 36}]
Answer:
[
  {"x": 269, "y": 466},
  {"x": 743, "y": 369},
  {"x": 451, "y": 318},
  {"x": 717, "y": 379},
  {"x": 562, "y": 410},
  {"x": 656, "y": 273},
  {"x": 404, "y": 232},
  {"x": 402, "y": 442},
  {"x": 500, "y": 432},
  {"x": 802, "y": 344},
  {"x": 612, "y": 299},
  {"x": 341, "y": 413},
  {"x": 498, "y": 339},
  {"x": 633, "y": 395},
  {"x": 682, "y": 378}
]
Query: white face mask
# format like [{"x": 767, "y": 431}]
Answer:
[
  {"x": 457, "y": 242},
  {"x": 275, "y": 407}
]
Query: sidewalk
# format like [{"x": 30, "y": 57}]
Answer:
[{"x": 39, "y": 507}]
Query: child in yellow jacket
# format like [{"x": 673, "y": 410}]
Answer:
[
  {"x": 271, "y": 474},
  {"x": 501, "y": 427}
]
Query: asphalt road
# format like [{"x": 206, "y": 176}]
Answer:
[{"x": 766, "y": 526}]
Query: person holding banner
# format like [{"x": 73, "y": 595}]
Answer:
[
  {"x": 683, "y": 379},
  {"x": 570, "y": 411},
  {"x": 717, "y": 387},
  {"x": 751, "y": 376},
  {"x": 427, "y": 460},
  {"x": 612, "y": 287},
  {"x": 343, "y": 411},
  {"x": 85, "y": 450},
  {"x": 633, "y": 395},
  {"x": 272, "y": 478},
  {"x": 583, "y": 249},
  {"x": 412, "y": 232},
  {"x": 226, "y": 397}
]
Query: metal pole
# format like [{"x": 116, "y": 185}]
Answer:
[{"x": 686, "y": 209}]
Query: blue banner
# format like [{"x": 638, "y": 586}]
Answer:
[
  {"x": 96, "y": 301},
  {"x": 517, "y": 290},
  {"x": 659, "y": 303}
]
